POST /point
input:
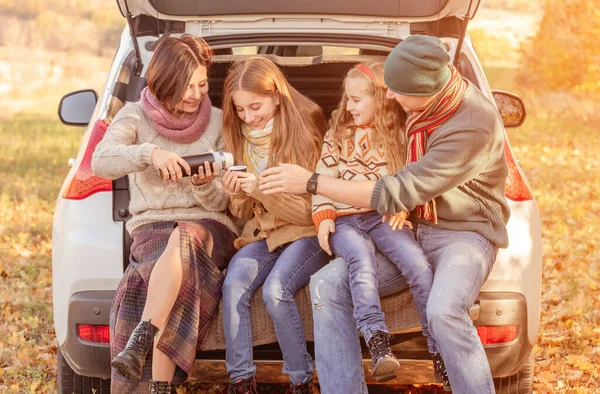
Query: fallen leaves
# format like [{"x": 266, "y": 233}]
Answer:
[
  {"x": 28, "y": 343},
  {"x": 559, "y": 157}
]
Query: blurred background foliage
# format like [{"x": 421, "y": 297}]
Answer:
[
  {"x": 557, "y": 54},
  {"x": 563, "y": 55}
]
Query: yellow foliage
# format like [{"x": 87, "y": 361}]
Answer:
[{"x": 564, "y": 55}]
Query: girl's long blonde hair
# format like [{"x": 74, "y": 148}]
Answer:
[
  {"x": 299, "y": 123},
  {"x": 389, "y": 122}
]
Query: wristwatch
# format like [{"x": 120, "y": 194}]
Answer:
[{"x": 311, "y": 185}]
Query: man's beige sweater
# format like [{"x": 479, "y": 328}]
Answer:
[{"x": 126, "y": 149}]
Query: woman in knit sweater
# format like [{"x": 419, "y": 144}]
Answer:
[
  {"x": 265, "y": 122},
  {"x": 182, "y": 239}
]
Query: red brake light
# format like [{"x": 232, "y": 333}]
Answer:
[
  {"x": 490, "y": 335},
  {"x": 516, "y": 187},
  {"x": 85, "y": 182},
  {"x": 93, "y": 333}
]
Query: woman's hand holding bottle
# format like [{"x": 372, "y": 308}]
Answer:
[
  {"x": 205, "y": 174},
  {"x": 169, "y": 164}
]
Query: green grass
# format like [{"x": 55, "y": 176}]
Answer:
[
  {"x": 38, "y": 151},
  {"x": 35, "y": 153}
]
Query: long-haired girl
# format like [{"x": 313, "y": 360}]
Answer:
[{"x": 266, "y": 122}]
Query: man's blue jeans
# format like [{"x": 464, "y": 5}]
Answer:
[
  {"x": 283, "y": 272},
  {"x": 461, "y": 262},
  {"x": 354, "y": 240}
]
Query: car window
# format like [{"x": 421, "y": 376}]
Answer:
[
  {"x": 251, "y": 50},
  {"x": 292, "y": 50}
]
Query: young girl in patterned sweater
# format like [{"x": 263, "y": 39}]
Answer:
[{"x": 367, "y": 141}]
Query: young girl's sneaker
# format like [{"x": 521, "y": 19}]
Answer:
[
  {"x": 385, "y": 363},
  {"x": 440, "y": 370}
]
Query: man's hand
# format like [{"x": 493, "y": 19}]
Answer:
[
  {"x": 285, "y": 178},
  {"x": 326, "y": 227},
  {"x": 397, "y": 220}
]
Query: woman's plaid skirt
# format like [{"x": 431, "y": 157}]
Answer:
[{"x": 206, "y": 248}]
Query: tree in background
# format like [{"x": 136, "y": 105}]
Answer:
[{"x": 564, "y": 55}]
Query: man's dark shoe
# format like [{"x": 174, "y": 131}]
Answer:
[
  {"x": 304, "y": 388},
  {"x": 130, "y": 361},
  {"x": 160, "y": 387},
  {"x": 243, "y": 386},
  {"x": 385, "y": 363},
  {"x": 440, "y": 370}
]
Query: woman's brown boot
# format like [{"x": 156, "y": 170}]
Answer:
[
  {"x": 130, "y": 361},
  {"x": 160, "y": 387}
]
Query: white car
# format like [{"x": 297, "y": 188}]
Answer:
[{"x": 315, "y": 43}]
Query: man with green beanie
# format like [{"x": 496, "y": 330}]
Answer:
[{"x": 453, "y": 185}]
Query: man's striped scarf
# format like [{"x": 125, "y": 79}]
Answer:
[{"x": 420, "y": 125}]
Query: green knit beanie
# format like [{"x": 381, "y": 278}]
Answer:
[{"x": 417, "y": 66}]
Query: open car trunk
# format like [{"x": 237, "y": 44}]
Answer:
[
  {"x": 319, "y": 78},
  {"x": 401, "y": 10}
]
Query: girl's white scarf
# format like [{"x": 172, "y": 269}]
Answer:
[{"x": 257, "y": 145}]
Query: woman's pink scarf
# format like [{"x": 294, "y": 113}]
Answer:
[{"x": 184, "y": 130}]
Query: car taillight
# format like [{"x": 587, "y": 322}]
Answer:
[
  {"x": 93, "y": 333},
  {"x": 516, "y": 187},
  {"x": 490, "y": 335},
  {"x": 85, "y": 182}
]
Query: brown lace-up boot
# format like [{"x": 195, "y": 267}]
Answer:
[
  {"x": 160, "y": 387},
  {"x": 130, "y": 361}
]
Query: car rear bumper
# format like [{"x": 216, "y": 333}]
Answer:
[
  {"x": 495, "y": 309},
  {"x": 88, "y": 358},
  {"x": 502, "y": 309}
]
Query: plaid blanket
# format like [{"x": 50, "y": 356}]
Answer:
[{"x": 206, "y": 248}]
